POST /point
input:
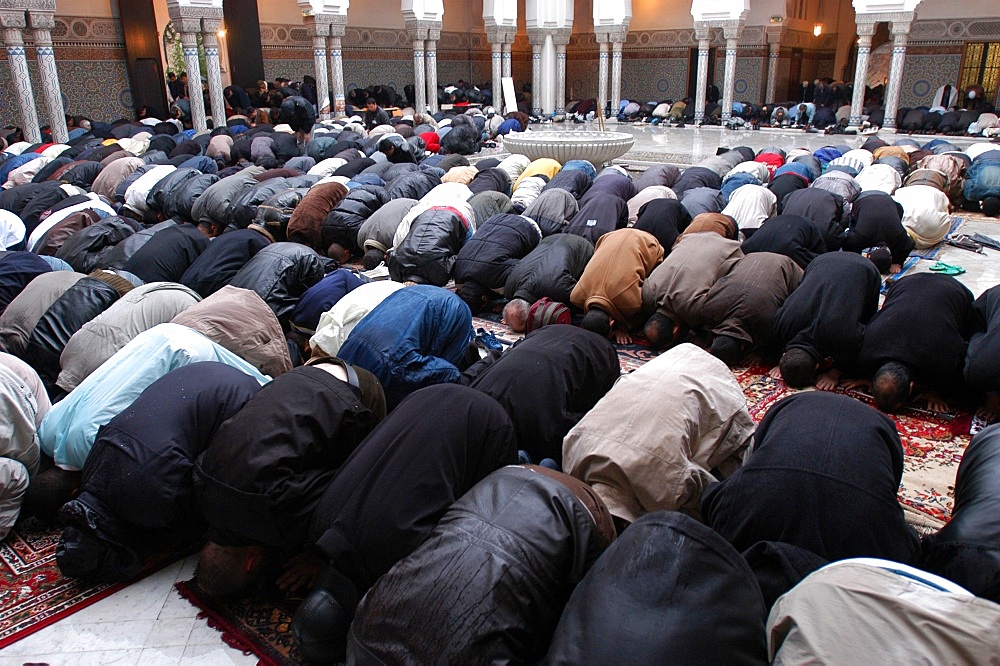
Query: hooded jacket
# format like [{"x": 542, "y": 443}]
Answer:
[
  {"x": 827, "y": 313},
  {"x": 613, "y": 278},
  {"x": 211, "y": 207},
  {"x": 791, "y": 235},
  {"x": 742, "y": 303},
  {"x": 136, "y": 490},
  {"x": 90, "y": 248},
  {"x": 922, "y": 324},
  {"x": 652, "y": 443},
  {"x": 263, "y": 473},
  {"x": 222, "y": 259},
  {"x": 415, "y": 337},
  {"x": 689, "y": 596},
  {"x": 388, "y": 497},
  {"x": 842, "y": 462},
  {"x": 547, "y": 382},
  {"x": 598, "y": 215},
  {"x": 344, "y": 222},
  {"x": 550, "y": 270},
  {"x": 280, "y": 273},
  {"x": 17, "y": 269},
  {"x": 498, "y": 244},
  {"x": 574, "y": 181},
  {"x": 239, "y": 321},
  {"x": 489, "y": 583},
  {"x": 181, "y": 203},
  {"x": 378, "y": 229},
  {"x": 337, "y": 323},
  {"x": 552, "y": 210},
  {"x": 166, "y": 255},
  {"x": 100, "y": 338},
  {"x": 428, "y": 252}
]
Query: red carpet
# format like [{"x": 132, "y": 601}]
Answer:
[{"x": 33, "y": 594}]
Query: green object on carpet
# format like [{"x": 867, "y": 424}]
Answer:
[{"x": 947, "y": 269}]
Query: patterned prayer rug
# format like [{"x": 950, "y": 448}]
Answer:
[{"x": 33, "y": 594}]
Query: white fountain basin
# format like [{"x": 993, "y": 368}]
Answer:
[{"x": 597, "y": 148}]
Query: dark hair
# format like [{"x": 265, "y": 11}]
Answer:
[
  {"x": 891, "y": 386},
  {"x": 798, "y": 368},
  {"x": 882, "y": 258},
  {"x": 475, "y": 297},
  {"x": 373, "y": 257},
  {"x": 222, "y": 570},
  {"x": 370, "y": 100},
  {"x": 727, "y": 349},
  {"x": 991, "y": 206},
  {"x": 659, "y": 331},
  {"x": 598, "y": 321},
  {"x": 48, "y": 491}
]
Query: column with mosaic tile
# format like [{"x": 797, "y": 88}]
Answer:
[
  {"x": 13, "y": 23},
  {"x": 865, "y": 31},
  {"x": 42, "y": 24},
  {"x": 701, "y": 33},
  {"x": 900, "y": 31},
  {"x": 210, "y": 38}
]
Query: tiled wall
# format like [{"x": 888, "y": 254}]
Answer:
[{"x": 90, "y": 59}]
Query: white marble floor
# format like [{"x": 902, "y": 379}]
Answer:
[{"x": 147, "y": 623}]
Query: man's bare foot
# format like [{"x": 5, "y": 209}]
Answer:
[
  {"x": 829, "y": 380},
  {"x": 935, "y": 402},
  {"x": 622, "y": 338},
  {"x": 301, "y": 572}
]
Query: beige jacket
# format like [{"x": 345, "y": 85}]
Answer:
[
  {"x": 648, "y": 445},
  {"x": 240, "y": 320},
  {"x": 863, "y": 612}
]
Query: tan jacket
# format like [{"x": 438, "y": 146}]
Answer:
[
  {"x": 678, "y": 286},
  {"x": 240, "y": 320},
  {"x": 614, "y": 276},
  {"x": 863, "y": 612},
  {"x": 648, "y": 445}
]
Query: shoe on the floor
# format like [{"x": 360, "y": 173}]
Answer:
[
  {"x": 380, "y": 272},
  {"x": 322, "y": 621}
]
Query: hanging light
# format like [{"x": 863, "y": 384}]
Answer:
[{"x": 817, "y": 29}]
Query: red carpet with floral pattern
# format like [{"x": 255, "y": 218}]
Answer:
[{"x": 33, "y": 594}]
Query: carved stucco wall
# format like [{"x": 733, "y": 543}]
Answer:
[{"x": 90, "y": 59}]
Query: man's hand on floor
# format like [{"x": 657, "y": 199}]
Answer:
[{"x": 301, "y": 572}]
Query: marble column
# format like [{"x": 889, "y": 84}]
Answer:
[
  {"x": 496, "y": 51},
  {"x": 508, "y": 67},
  {"x": 210, "y": 38},
  {"x": 430, "y": 57},
  {"x": 561, "y": 39},
  {"x": 537, "y": 40},
  {"x": 729, "y": 81},
  {"x": 189, "y": 41},
  {"x": 13, "y": 23},
  {"x": 339, "y": 104},
  {"x": 323, "y": 103},
  {"x": 701, "y": 90},
  {"x": 616, "y": 71},
  {"x": 602, "y": 73},
  {"x": 900, "y": 31},
  {"x": 773, "y": 50},
  {"x": 42, "y": 24},
  {"x": 419, "y": 67},
  {"x": 865, "y": 32}
]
